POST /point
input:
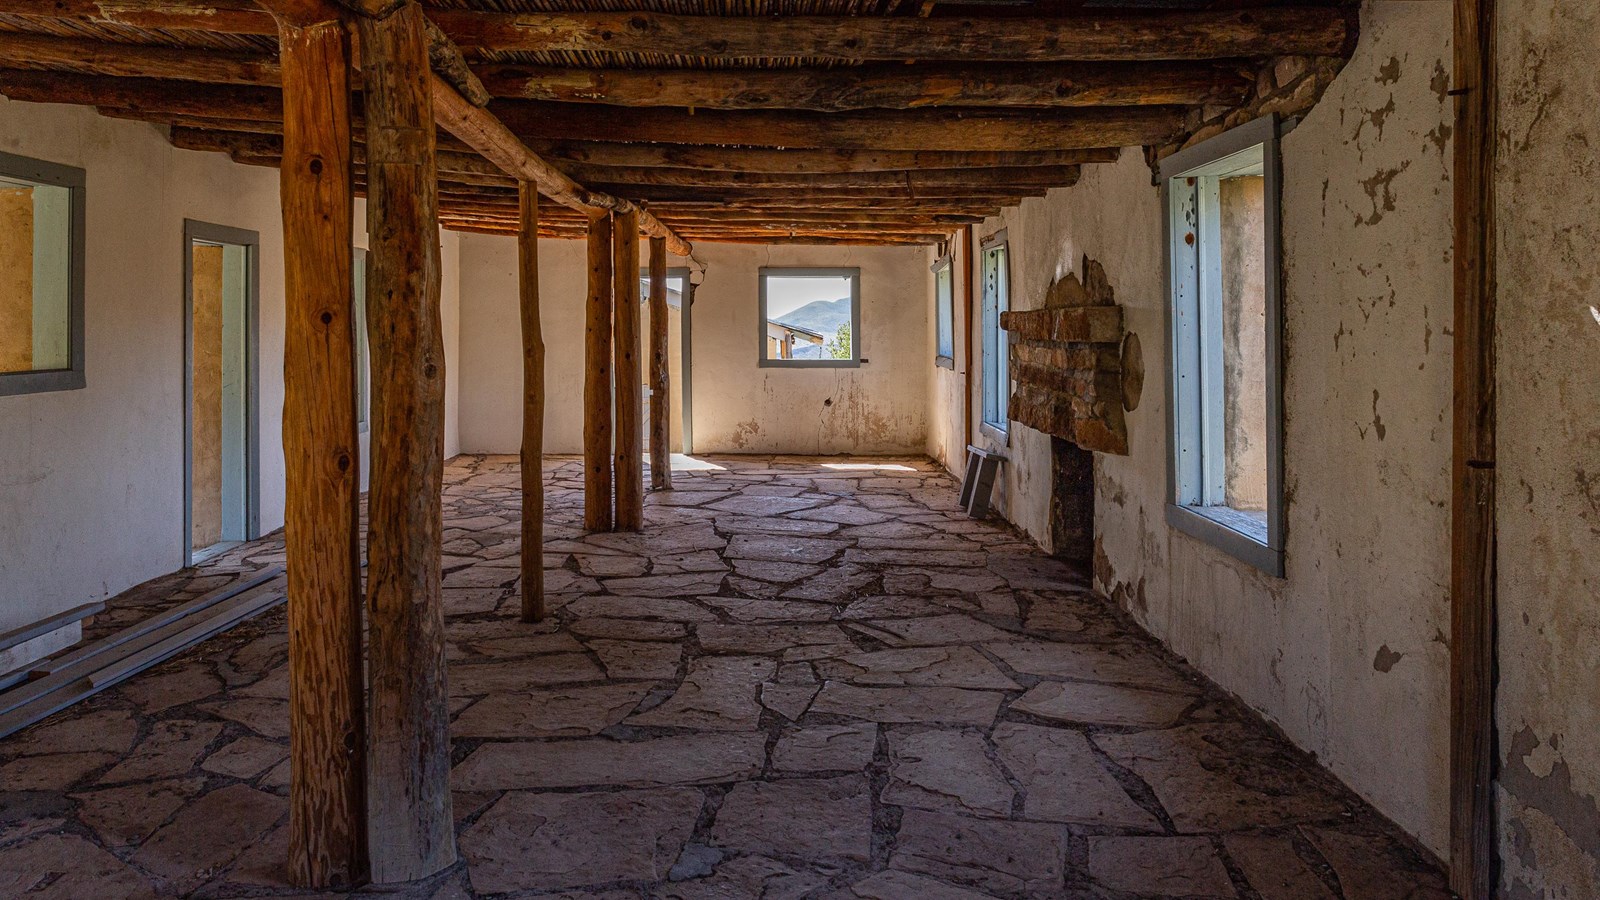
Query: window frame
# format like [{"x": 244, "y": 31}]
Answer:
[
  {"x": 360, "y": 277},
  {"x": 1182, "y": 267},
  {"x": 72, "y": 178},
  {"x": 853, "y": 273},
  {"x": 944, "y": 313},
  {"x": 994, "y": 378}
]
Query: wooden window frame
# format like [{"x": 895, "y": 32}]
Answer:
[
  {"x": 72, "y": 377},
  {"x": 852, "y": 273}
]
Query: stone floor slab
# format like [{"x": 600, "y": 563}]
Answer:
[
  {"x": 686, "y": 759},
  {"x": 532, "y": 841},
  {"x": 811, "y": 818}
]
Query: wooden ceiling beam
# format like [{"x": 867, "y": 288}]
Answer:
[
  {"x": 910, "y": 180},
  {"x": 913, "y": 129},
  {"x": 49, "y": 52},
  {"x": 794, "y": 162},
  {"x": 882, "y": 86},
  {"x": 1119, "y": 35}
]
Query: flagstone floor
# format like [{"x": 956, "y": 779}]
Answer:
[{"x": 805, "y": 678}]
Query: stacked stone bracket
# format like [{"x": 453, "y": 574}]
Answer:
[{"x": 1067, "y": 362}]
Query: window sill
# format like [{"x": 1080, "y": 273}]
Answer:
[
  {"x": 809, "y": 363},
  {"x": 13, "y": 384},
  {"x": 944, "y": 362},
  {"x": 995, "y": 433},
  {"x": 1237, "y": 534}
]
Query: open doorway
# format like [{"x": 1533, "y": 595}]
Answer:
[
  {"x": 680, "y": 300},
  {"x": 220, "y": 440}
]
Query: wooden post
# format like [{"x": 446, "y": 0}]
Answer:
[
  {"x": 532, "y": 407},
  {"x": 412, "y": 833},
  {"x": 630, "y": 441},
  {"x": 660, "y": 403},
  {"x": 1473, "y": 754},
  {"x": 597, "y": 380},
  {"x": 327, "y": 794}
]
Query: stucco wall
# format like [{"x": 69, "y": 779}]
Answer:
[
  {"x": 1347, "y": 654},
  {"x": 738, "y": 407},
  {"x": 91, "y": 494},
  {"x": 1548, "y": 447}
]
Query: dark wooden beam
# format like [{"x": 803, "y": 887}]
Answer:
[
  {"x": 147, "y": 95},
  {"x": 1473, "y": 751},
  {"x": 413, "y": 834},
  {"x": 597, "y": 379},
  {"x": 795, "y": 162},
  {"x": 533, "y": 605},
  {"x": 911, "y": 180},
  {"x": 327, "y": 707},
  {"x": 1120, "y": 35},
  {"x": 881, "y": 86},
  {"x": 48, "y": 52},
  {"x": 912, "y": 129},
  {"x": 626, "y": 375},
  {"x": 660, "y": 402}
]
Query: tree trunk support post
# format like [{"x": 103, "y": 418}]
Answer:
[
  {"x": 660, "y": 402},
  {"x": 412, "y": 830},
  {"x": 533, "y": 609},
  {"x": 327, "y": 746},
  {"x": 597, "y": 380},
  {"x": 627, "y": 377}
]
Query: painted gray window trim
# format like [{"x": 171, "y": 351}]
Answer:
[
  {"x": 195, "y": 230},
  {"x": 944, "y": 264},
  {"x": 71, "y": 378},
  {"x": 1268, "y": 556},
  {"x": 855, "y": 360},
  {"x": 995, "y": 431}
]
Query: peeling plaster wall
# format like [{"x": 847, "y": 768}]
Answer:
[
  {"x": 880, "y": 408},
  {"x": 1548, "y": 448},
  {"x": 1347, "y": 654}
]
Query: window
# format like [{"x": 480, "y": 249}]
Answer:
[
  {"x": 41, "y": 276},
  {"x": 996, "y": 349},
  {"x": 810, "y": 317},
  {"x": 944, "y": 306},
  {"x": 1222, "y": 199},
  {"x": 358, "y": 320}
]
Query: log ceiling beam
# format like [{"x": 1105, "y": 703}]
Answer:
[
  {"x": 913, "y": 129},
  {"x": 913, "y": 181},
  {"x": 1122, "y": 35},
  {"x": 1069, "y": 36},
  {"x": 883, "y": 86}
]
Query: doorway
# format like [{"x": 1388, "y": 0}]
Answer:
[
  {"x": 680, "y": 302},
  {"x": 220, "y": 441}
]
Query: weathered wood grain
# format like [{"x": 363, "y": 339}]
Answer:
[
  {"x": 660, "y": 400},
  {"x": 327, "y": 713},
  {"x": 533, "y": 398},
  {"x": 413, "y": 834},
  {"x": 597, "y": 379}
]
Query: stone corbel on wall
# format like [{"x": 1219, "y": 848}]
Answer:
[{"x": 1067, "y": 360}]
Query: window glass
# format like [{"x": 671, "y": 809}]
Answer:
[
  {"x": 996, "y": 364},
  {"x": 944, "y": 312},
  {"x": 36, "y": 250},
  {"x": 358, "y": 303},
  {"x": 810, "y": 317},
  {"x": 1222, "y": 207}
]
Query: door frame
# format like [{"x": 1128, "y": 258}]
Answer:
[{"x": 194, "y": 230}]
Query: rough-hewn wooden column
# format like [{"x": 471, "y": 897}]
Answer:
[
  {"x": 597, "y": 380},
  {"x": 532, "y": 406},
  {"x": 630, "y": 439},
  {"x": 327, "y": 797},
  {"x": 412, "y": 833},
  {"x": 660, "y": 403}
]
